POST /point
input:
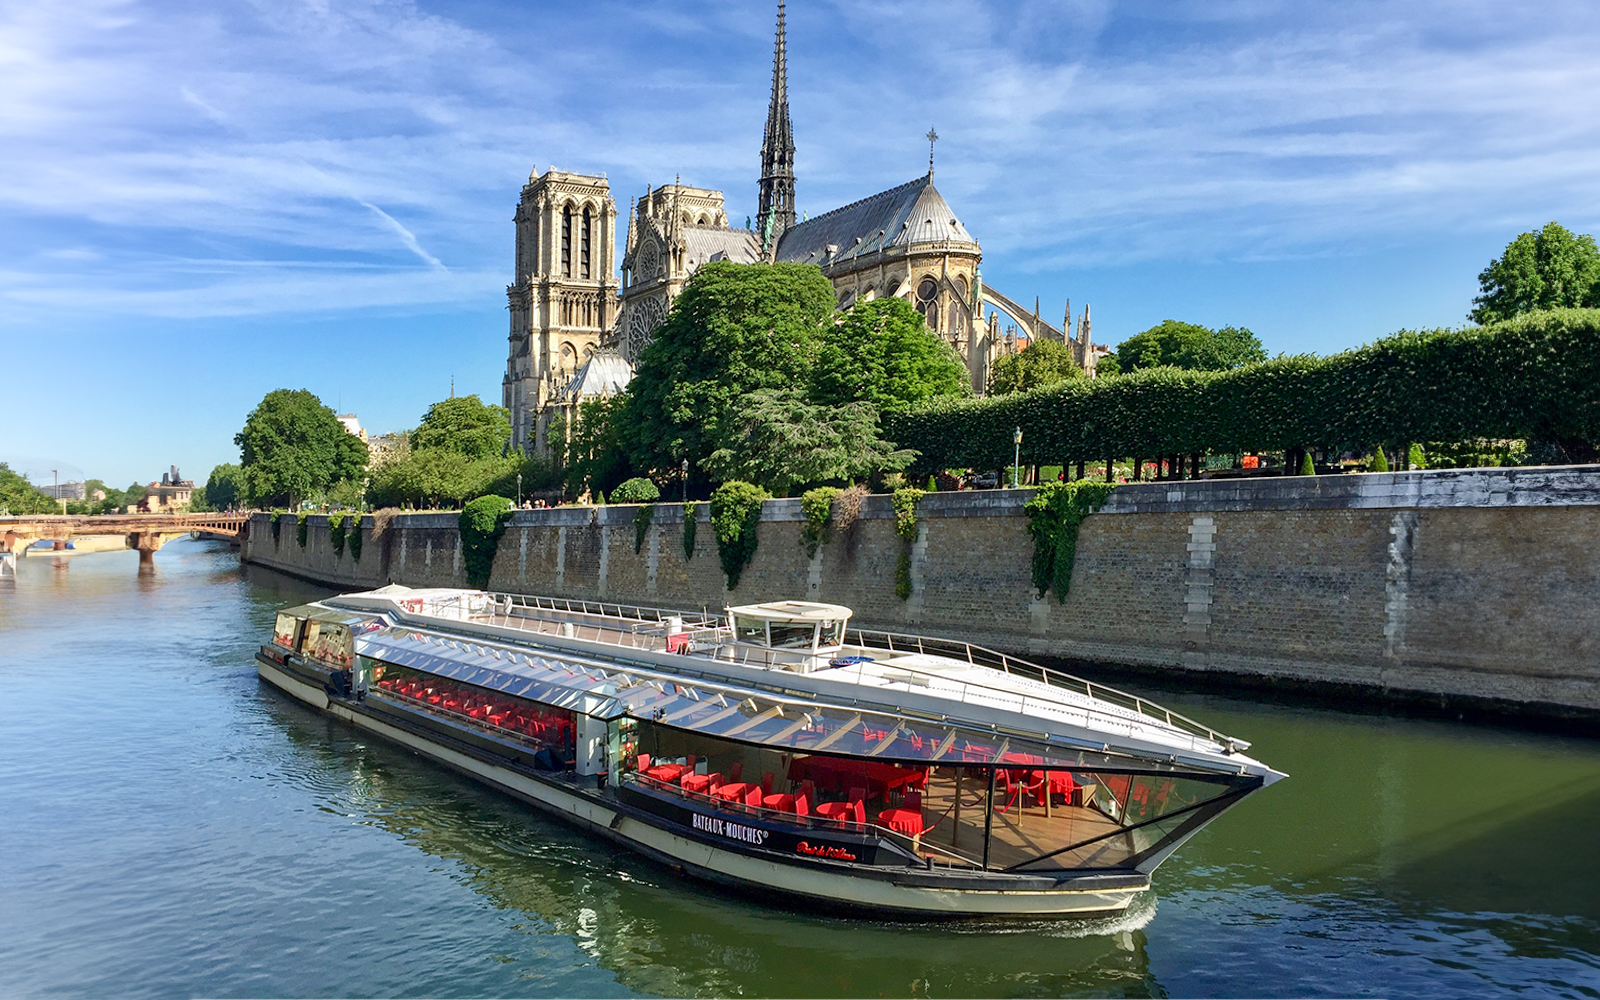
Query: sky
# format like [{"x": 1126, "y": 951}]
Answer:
[{"x": 202, "y": 202}]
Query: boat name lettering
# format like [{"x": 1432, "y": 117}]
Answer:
[
  {"x": 824, "y": 851},
  {"x": 733, "y": 831}
]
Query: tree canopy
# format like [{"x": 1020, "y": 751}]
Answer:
[
  {"x": 1174, "y": 344},
  {"x": 734, "y": 329},
  {"x": 224, "y": 486},
  {"x": 466, "y": 426},
  {"x": 780, "y": 441},
  {"x": 292, "y": 447},
  {"x": 1550, "y": 269},
  {"x": 1043, "y": 362},
  {"x": 19, "y": 496},
  {"x": 883, "y": 353}
]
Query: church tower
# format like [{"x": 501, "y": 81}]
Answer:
[
  {"x": 564, "y": 294},
  {"x": 776, "y": 211}
]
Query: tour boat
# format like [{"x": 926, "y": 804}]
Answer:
[{"x": 777, "y": 749}]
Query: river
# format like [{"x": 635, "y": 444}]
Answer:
[{"x": 172, "y": 827}]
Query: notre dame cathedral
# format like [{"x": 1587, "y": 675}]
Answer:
[{"x": 576, "y": 330}]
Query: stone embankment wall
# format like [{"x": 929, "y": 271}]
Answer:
[{"x": 1472, "y": 586}]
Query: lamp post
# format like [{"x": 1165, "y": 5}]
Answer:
[
  {"x": 685, "y": 480},
  {"x": 1016, "y": 460},
  {"x": 519, "y": 491}
]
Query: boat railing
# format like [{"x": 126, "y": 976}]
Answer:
[{"x": 980, "y": 656}]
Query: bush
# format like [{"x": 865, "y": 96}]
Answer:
[
  {"x": 1307, "y": 466},
  {"x": 1379, "y": 462},
  {"x": 735, "y": 514},
  {"x": 1054, "y": 514},
  {"x": 482, "y": 523},
  {"x": 1415, "y": 458},
  {"x": 1531, "y": 377},
  {"x": 636, "y": 490},
  {"x": 817, "y": 505}
]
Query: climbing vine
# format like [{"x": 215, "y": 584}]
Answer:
[
  {"x": 817, "y": 505},
  {"x": 735, "y": 514},
  {"x": 352, "y": 536},
  {"x": 902, "y": 575},
  {"x": 336, "y": 532},
  {"x": 277, "y": 518},
  {"x": 690, "y": 520},
  {"x": 482, "y": 523},
  {"x": 1054, "y": 514},
  {"x": 905, "y": 511},
  {"x": 300, "y": 527},
  {"x": 641, "y": 525}
]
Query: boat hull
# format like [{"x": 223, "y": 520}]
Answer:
[{"x": 812, "y": 883}]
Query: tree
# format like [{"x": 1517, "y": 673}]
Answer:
[
  {"x": 636, "y": 490},
  {"x": 292, "y": 446},
  {"x": 18, "y": 496},
  {"x": 435, "y": 477},
  {"x": 734, "y": 329},
  {"x": 1188, "y": 345},
  {"x": 780, "y": 441},
  {"x": 1041, "y": 363},
  {"x": 595, "y": 454},
  {"x": 1550, "y": 269},
  {"x": 223, "y": 486},
  {"x": 882, "y": 352},
  {"x": 463, "y": 424}
]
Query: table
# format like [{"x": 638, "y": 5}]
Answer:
[
  {"x": 782, "y": 803},
  {"x": 700, "y": 782},
  {"x": 877, "y": 777},
  {"x": 734, "y": 791}
]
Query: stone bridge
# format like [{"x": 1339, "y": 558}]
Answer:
[{"x": 144, "y": 532}]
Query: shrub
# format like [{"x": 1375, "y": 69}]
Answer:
[
  {"x": 482, "y": 523},
  {"x": 1054, "y": 514},
  {"x": 691, "y": 513},
  {"x": 641, "y": 523},
  {"x": 1416, "y": 458},
  {"x": 905, "y": 511},
  {"x": 735, "y": 514},
  {"x": 817, "y": 506},
  {"x": 636, "y": 490},
  {"x": 336, "y": 532},
  {"x": 848, "y": 506},
  {"x": 1307, "y": 466},
  {"x": 1380, "y": 461}
]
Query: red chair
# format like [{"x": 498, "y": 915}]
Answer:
[
  {"x": 802, "y": 806},
  {"x": 753, "y": 797},
  {"x": 766, "y": 782},
  {"x": 736, "y": 772}
]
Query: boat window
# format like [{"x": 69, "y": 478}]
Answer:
[
  {"x": 751, "y": 630},
  {"x": 550, "y": 730},
  {"x": 832, "y": 633},
  {"x": 308, "y": 639},
  {"x": 332, "y": 644},
  {"x": 793, "y": 635},
  {"x": 286, "y": 632}
]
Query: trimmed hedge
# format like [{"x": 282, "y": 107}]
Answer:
[{"x": 1531, "y": 377}]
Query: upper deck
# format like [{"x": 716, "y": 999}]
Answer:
[{"x": 914, "y": 676}]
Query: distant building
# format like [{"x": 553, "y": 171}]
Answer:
[
  {"x": 169, "y": 496},
  {"x": 385, "y": 448},
  {"x": 65, "y": 491},
  {"x": 353, "y": 425}
]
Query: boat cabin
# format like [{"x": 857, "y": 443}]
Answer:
[{"x": 810, "y": 629}]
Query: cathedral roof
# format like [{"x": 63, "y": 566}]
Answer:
[
  {"x": 605, "y": 374},
  {"x": 737, "y": 245},
  {"x": 914, "y": 212}
]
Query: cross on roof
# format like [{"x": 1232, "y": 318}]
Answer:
[{"x": 932, "y": 138}]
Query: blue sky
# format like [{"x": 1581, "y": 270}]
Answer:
[{"x": 202, "y": 202}]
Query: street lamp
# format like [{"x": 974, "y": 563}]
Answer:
[
  {"x": 519, "y": 491},
  {"x": 685, "y": 480},
  {"x": 1016, "y": 459}
]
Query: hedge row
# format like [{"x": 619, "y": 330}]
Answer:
[{"x": 1536, "y": 377}]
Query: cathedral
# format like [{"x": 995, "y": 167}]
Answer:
[{"x": 576, "y": 330}]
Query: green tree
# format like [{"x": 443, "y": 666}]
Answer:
[
  {"x": 18, "y": 496},
  {"x": 735, "y": 328},
  {"x": 882, "y": 352},
  {"x": 223, "y": 486},
  {"x": 1550, "y": 269},
  {"x": 1041, "y": 363},
  {"x": 292, "y": 447},
  {"x": 595, "y": 453},
  {"x": 636, "y": 490},
  {"x": 463, "y": 424},
  {"x": 779, "y": 441},
  {"x": 435, "y": 478},
  {"x": 1171, "y": 343}
]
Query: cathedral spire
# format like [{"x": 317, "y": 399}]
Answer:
[{"x": 776, "y": 212}]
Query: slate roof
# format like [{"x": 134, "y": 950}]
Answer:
[
  {"x": 702, "y": 244},
  {"x": 914, "y": 212}
]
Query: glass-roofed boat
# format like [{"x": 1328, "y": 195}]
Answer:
[{"x": 778, "y": 749}]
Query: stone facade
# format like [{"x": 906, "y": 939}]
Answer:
[{"x": 1473, "y": 586}]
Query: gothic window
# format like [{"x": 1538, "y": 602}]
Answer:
[
  {"x": 928, "y": 301},
  {"x": 645, "y": 263},
  {"x": 566, "y": 242},
  {"x": 954, "y": 326},
  {"x": 961, "y": 287},
  {"x": 583, "y": 250}
]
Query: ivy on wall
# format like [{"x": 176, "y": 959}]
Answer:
[
  {"x": 735, "y": 516},
  {"x": 353, "y": 536},
  {"x": 1531, "y": 377},
  {"x": 300, "y": 527},
  {"x": 1054, "y": 514},
  {"x": 641, "y": 525},
  {"x": 817, "y": 505},
  {"x": 277, "y": 519},
  {"x": 904, "y": 501},
  {"x": 691, "y": 513},
  {"x": 336, "y": 532},
  {"x": 482, "y": 522}
]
